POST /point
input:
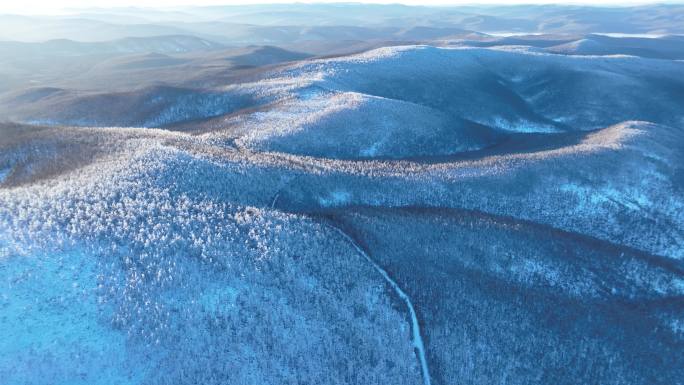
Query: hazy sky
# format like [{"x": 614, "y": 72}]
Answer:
[{"x": 51, "y": 6}]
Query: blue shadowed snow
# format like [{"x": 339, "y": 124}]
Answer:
[
  {"x": 55, "y": 328},
  {"x": 410, "y": 215}
]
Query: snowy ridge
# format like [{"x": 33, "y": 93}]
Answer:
[
  {"x": 464, "y": 97},
  {"x": 530, "y": 203},
  {"x": 156, "y": 286}
]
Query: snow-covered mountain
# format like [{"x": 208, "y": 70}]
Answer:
[
  {"x": 410, "y": 101},
  {"x": 473, "y": 211}
]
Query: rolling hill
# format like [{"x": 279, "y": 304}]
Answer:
[{"x": 366, "y": 195}]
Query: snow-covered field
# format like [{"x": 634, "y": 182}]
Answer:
[{"x": 408, "y": 215}]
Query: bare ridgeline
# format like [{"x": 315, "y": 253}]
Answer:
[{"x": 343, "y": 194}]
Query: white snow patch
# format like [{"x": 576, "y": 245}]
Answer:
[{"x": 335, "y": 198}]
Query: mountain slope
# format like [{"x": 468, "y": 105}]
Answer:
[{"x": 407, "y": 215}]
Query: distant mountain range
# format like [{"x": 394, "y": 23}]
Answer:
[{"x": 272, "y": 24}]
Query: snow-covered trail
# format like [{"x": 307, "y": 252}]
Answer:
[{"x": 415, "y": 326}]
